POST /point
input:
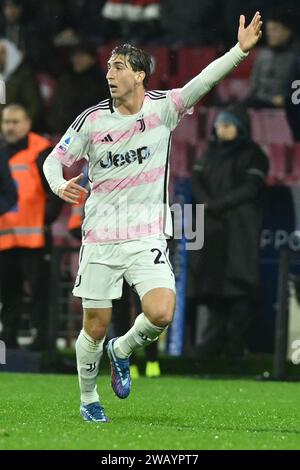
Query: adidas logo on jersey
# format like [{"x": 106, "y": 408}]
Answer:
[
  {"x": 120, "y": 159},
  {"x": 107, "y": 138}
]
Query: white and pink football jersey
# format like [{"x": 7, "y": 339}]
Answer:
[{"x": 128, "y": 159}]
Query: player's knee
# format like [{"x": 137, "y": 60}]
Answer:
[
  {"x": 159, "y": 307},
  {"x": 95, "y": 323},
  {"x": 95, "y": 328},
  {"x": 162, "y": 316},
  {"x": 97, "y": 332}
]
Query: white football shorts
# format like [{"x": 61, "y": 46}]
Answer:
[{"x": 144, "y": 263}]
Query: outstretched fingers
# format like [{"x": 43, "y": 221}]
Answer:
[
  {"x": 257, "y": 29},
  {"x": 256, "y": 22},
  {"x": 255, "y": 18}
]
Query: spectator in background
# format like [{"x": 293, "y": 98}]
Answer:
[
  {"x": 25, "y": 237},
  {"x": 69, "y": 21},
  {"x": 79, "y": 89},
  {"x": 229, "y": 180},
  {"x": 20, "y": 26},
  {"x": 59, "y": 22},
  {"x": 269, "y": 76},
  {"x": 87, "y": 19},
  {"x": 137, "y": 21},
  {"x": 14, "y": 25},
  {"x": 20, "y": 83}
]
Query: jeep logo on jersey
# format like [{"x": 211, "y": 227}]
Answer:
[{"x": 120, "y": 159}]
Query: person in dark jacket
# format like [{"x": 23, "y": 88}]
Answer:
[
  {"x": 8, "y": 194},
  {"x": 8, "y": 191},
  {"x": 21, "y": 24},
  {"x": 20, "y": 83},
  {"x": 84, "y": 86},
  {"x": 229, "y": 180},
  {"x": 271, "y": 68}
]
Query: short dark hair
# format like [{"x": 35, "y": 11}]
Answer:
[
  {"x": 137, "y": 58},
  {"x": 284, "y": 18}
]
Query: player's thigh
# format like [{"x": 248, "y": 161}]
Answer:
[
  {"x": 151, "y": 274},
  {"x": 100, "y": 273}
]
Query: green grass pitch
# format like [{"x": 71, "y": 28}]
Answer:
[{"x": 41, "y": 412}]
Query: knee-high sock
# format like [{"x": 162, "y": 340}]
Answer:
[
  {"x": 141, "y": 334},
  {"x": 88, "y": 355}
]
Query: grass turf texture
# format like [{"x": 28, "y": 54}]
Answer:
[{"x": 41, "y": 412}]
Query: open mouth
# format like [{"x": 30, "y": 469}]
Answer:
[{"x": 112, "y": 87}]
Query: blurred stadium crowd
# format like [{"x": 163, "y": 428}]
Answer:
[{"x": 53, "y": 57}]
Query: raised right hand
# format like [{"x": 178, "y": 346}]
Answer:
[{"x": 70, "y": 191}]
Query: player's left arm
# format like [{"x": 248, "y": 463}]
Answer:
[{"x": 200, "y": 85}]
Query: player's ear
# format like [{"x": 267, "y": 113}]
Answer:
[{"x": 140, "y": 76}]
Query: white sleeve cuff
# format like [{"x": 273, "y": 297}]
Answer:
[
  {"x": 54, "y": 173},
  {"x": 239, "y": 53}
]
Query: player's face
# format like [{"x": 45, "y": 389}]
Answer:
[
  {"x": 15, "y": 125},
  {"x": 122, "y": 80}
]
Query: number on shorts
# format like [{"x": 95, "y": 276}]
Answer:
[{"x": 159, "y": 255}]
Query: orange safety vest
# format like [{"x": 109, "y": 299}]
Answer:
[
  {"x": 77, "y": 213},
  {"x": 23, "y": 226}
]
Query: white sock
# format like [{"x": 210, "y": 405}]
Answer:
[
  {"x": 141, "y": 334},
  {"x": 88, "y": 355}
]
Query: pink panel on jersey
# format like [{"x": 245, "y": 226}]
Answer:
[
  {"x": 178, "y": 102},
  {"x": 110, "y": 137},
  {"x": 118, "y": 184},
  {"x": 132, "y": 231},
  {"x": 152, "y": 121},
  {"x": 95, "y": 115},
  {"x": 64, "y": 157}
]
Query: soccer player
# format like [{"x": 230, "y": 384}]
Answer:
[{"x": 126, "y": 140}]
